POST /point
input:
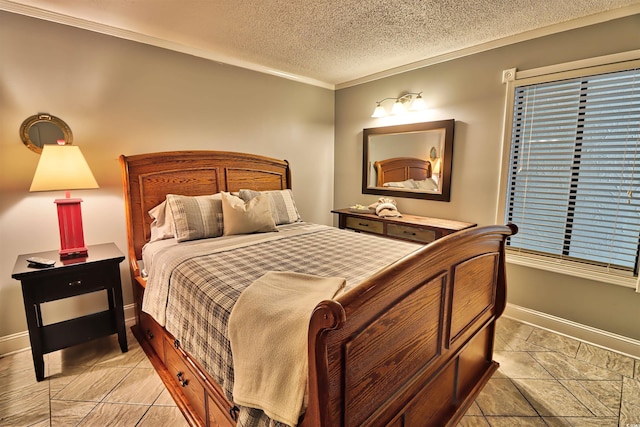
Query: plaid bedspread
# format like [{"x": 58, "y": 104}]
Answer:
[{"x": 205, "y": 282}]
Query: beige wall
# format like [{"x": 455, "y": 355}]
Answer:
[
  {"x": 470, "y": 91},
  {"x": 121, "y": 97}
]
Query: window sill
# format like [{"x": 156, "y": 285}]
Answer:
[{"x": 598, "y": 274}]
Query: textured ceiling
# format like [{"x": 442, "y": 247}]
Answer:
[{"x": 327, "y": 42}]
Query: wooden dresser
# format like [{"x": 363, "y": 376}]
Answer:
[{"x": 414, "y": 228}]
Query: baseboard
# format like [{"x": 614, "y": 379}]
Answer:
[
  {"x": 15, "y": 343},
  {"x": 597, "y": 337}
]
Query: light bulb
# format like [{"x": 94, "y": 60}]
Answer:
[
  {"x": 398, "y": 108},
  {"x": 418, "y": 104},
  {"x": 379, "y": 111}
]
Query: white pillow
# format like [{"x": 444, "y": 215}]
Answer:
[
  {"x": 162, "y": 224},
  {"x": 283, "y": 207},
  {"x": 196, "y": 217},
  {"x": 242, "y": 217}
]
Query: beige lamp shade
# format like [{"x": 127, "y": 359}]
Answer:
[{"x": 62, "y": 167}]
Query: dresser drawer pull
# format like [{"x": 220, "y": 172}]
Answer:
[
  {"x": 75, "y": 283},
  {"x": 184, "y": 382},
  {"x": 363, "y": 224},
  {"x": 410, "y": 233},
  {"x": 149, "y": 334}
]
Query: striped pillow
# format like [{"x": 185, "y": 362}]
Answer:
[
  {"x": 197, "y": 217},
  {"x": 283, "y": 207}
]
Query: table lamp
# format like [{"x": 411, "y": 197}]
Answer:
[{"x": 63, "y": 167}]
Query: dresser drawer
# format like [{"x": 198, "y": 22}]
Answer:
[
  {"x": 408, "y": 232},
  {"x": 186, "y": 380},
  {"x": 58, "y": 286},
  {"x": 153, "y": 334},
  {"x": 365, "y": 225}
]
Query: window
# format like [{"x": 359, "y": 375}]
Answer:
[{"x": 573, "y": 178}]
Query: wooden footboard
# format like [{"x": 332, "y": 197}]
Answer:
[{"x": 413, "y": 345}]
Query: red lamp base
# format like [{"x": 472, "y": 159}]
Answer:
[{"x": 70, "y": 223}]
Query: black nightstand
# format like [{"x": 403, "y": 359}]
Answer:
[{"x": 67, "y": 278}]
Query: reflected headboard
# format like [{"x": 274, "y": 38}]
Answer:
[
  {"x": 148, "y": 178},
  {"x": 400, "y": 169}
]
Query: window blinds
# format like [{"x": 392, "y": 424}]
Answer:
[{"x": 574, "y": 177}]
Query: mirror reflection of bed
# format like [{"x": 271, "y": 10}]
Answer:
[{"x": 408, "y": 174}]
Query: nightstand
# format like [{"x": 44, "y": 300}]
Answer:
[{"x": 68, "y": 278}]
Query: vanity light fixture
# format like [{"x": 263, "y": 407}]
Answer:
[
  {"x": 63, "y": 167},
  {"x": 398, "y": 108}
]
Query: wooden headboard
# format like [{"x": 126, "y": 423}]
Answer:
[
  {"x": 148, "y": 178},
  {"x": 400, "y": 169}
]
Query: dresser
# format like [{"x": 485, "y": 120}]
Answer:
[{"x": 414, "y": 228}]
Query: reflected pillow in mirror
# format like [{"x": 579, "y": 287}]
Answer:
[
  {"x": 162, "y": 225},
  {"x": 283, "y": 207},
  {"x": 253, "y": 216},
  {"x": 196, "y": 217}
]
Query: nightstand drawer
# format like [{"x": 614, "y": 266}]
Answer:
[
  {"x": 58, "y": 286},
  {"x": 365, "y": 225},
  {"x": 411, "y": 233}
]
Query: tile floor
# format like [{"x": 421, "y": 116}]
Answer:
[
  {"x": 544, "y": 380},
  {"x": 92, "y": 384}
]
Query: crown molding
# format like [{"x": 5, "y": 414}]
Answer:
[{"x": 97, "y": 27}]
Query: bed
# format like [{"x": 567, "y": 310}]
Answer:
[
  {"x": 401, "y": 169},
  {"x": 410, "y": 343}
]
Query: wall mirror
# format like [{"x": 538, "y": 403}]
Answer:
[
  {"x": 412, "y": 160},
  {"x": 41, "y": 129}
]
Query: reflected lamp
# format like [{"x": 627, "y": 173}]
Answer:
[{"x": 64, "y": 168}]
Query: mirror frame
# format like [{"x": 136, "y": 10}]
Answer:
[
  {"x": 447, "y": 125},
  {"x": 42, "y": 118}
]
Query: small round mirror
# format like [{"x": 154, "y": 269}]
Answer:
[{"x": 41, "y": 129}]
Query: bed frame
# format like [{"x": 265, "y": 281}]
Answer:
[
  {"x": 400, "y": 169},
  {"x": 410, "y": 346}
]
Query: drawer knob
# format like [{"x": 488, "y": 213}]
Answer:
[
  {"x": 184, "y": 382},
  {"x": 149, "y": 334},
  {"x": 75, "y": 283}
]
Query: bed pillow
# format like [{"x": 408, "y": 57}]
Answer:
[
  {"x": 196, "y": 217},
  {"x": 162, "y": 224},
  {"x": 253, "y": 216},
  {"x": 283, "y": 207}
]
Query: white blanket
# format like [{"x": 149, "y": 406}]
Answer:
[{"x": 271, "y": 363}]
